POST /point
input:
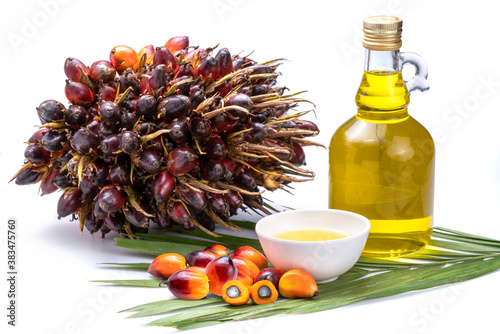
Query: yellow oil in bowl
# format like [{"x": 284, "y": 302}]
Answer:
[{"x": 310, "y": 234}]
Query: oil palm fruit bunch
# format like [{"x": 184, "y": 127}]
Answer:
[{"x": 171, "y": 135}]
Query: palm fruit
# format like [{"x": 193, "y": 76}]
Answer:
[{"x": 172, "y": 135}]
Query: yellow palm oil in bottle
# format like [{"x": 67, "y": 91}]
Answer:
[{"x": 382, "y": 160}]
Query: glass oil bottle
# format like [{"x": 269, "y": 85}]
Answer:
[{"x": 382, "y": 160}]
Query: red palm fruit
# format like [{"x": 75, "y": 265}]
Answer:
[
  {"x": 129, "y": 142},
  {"x": 199, "y": 127},
  {"x": 219, "y": 122},
  {"x": 188, "y": 284},
  {"x": 164, "y": 56},
  {"x": 111, "y": 199},
  {"x": 36, "y": 154},
  {"x": 92, "y": 223},
  {"x": 36, "y": 138},
  {"x": 233, "y": 125},
  {"x": 251, "y": 254},
  {"x": 179, "y": 130},
  {"x": 219, "y": 204},
  {"x": 173, "y": 107},
  {"x": 234, "y": 199},
  {"x": 162, "y": 186},
  {"x": 208, "y": 67},
  {"x": 177, "y": 43},
  {"x": 212, "y": 170},
  {"x": 215, "y": 148},
  {"x": 219, "y": 271},
  {"x": 224, "y": 89},
  {"x": 77, "y": 116},
  {"x": 193, "y": 198},
  {"x": 238, "y": 63},
  {"x": 84, "y": 141},
  {"x": 195, "y": 55},
  {"x": 72, "y": 69},
  {"x": 283, "y": 156},
  {"x": 299, "y": 157},
  {"x": 51, "y": 111},
  {"x": 281, "y": 109},
  {"x": 182, "y": 160},
  {"x": 123, "y": 57},
  {"x": 229, "y": 169},
  {"x": 217, "y": 249},
  {"x": 245, "y": 178},
  {"x": 178, "y": 213},
  {"x": 78, "y": 93},
  {"x": 225, "y": 62},
  {"x": 135, "y": 217},
  {"x": 145, "y": 83},
  {"x": 106, "y": 93},
  {"x": 185, "y": 69},
  {"x": 271, "y": 274},
  {"x": 119, "y": 174},
  {"x": 110, "y": 144},
  {"x": 28, "y": 176},
  {"x": 69, "y": 202},
  {"x": 196, "y": 269},
  {"x": 149, "y": 51},
  {"x": 48, "y": 186},
  {"x": 200, "y": 258},
  {"x": 165, "y": 265},
  {"x": 146, "y": 106},
  {"x": 246, "y": 266},
  {"x": 149, "y": 161},
  {"x": 260, "y": 69},
  {"x": 158, "y": 78},
  {"x": 102, "y": 71},
  {"x": 307, "y": 125}
]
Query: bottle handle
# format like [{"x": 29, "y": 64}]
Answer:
[{"x": 419, "y": 81}]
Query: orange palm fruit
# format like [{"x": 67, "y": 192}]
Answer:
[
  {"x": 245, "y": 279},
  {"x": 217, "y": 249},
  {"x": 149, "y": 51},
  {"x": 297, "y": 283},
  {"x": 271, "y": 274},
  {"x": 252, "y": 254},
  {"x": 123, "y": 57},
  {"x": 165, "y": 265},
  {"x": 246, "y": 266},
  {"x": 177, "y": 43},
  {"x": 235, "y": 293},
  {"x": 220, "y": 271},
  {"x": 263, "y": 292},
  {"x": 188, "y": 284}
]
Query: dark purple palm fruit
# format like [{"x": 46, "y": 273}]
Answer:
[
  {"x": 196, "y": 96},
  {"x": 54, "y": 141},
  {"x": 36, "y": 154},
  {"x": 149, "y": 161},
  {"x": 92, "y": 223},
  {"x": 174, "y": 106},
  {"x": 135, "y": 217},
  {"x": 299, "y": 157},
  {"x": 48, "y": 186},
  {"x": 77, "y": 116},
  {"x": 110, "y": 145},
  {"x": 212, "y": 170},
  {"x": 194, "y": 198},
  {"x": 109, "y": 112},
  {"x": 257, "y": 133},
  {"x": 225, "y": 61},
  {"x": 146, "y": 107},
  {"x": 128, "y": 120},
  {"x": 219, "y": 204},
  {"x": 219, "y": 122},
  {"x": 98, "y": 211},
  {"x": 115, "y": 221},
  {"x": 129, "y": 142},
  {"x": 95, "y": 178},
  {"x": 145, "y": 128},
  {"x": 178, "y": 213},
  {"x": 183, "y": 84},
  {"x": 229, "y": 169},
  {"x": 164, "y": 56},
  {"x": 234, "y": 200},
  {"x": 244, "y": 177},
  {"x": 199, "y": 127},
  {"x": 106, "y": 93},
  {"x": 158, "y": 78},
  {"x": 105, "y": 129},
  {"x": 240, "y": 100},
  {"x": 126, "y": 81},
  {"x": 28, "y": 176},
  {"x": 51, "y": 111},
  {"x": 102, "y": 71},
  {"x": 162, "y": 186},
  {"x": 182, "y": 160},
  {"x": 206, "y": 221},
  {"x": 78, "y": 93},
  {"x": 64, "y": 180},
  {"x": 111, "y": 199},
  {"x": 73, "y": 69},
  {"x": 179, "y": 130},
  {"x": 69, "y": 202},
  {"x": 119, "y": 174},
  {"x": 208, "y": 67},
  {"x": 215, "y": 148},
  {"x": 307, "y": 125},
  {"x": 260, "y": 69},
  {"x": 84, "y": 141}
]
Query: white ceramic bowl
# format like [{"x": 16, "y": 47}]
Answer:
[{"x": 324, "y": 260}]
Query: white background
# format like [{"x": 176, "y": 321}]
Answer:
[{"x": 322, "y": 40}]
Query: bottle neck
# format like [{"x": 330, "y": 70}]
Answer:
[{"x": 382, "y": 94}]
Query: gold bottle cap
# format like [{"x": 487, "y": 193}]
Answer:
[{"x": 382, "y": 33}]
